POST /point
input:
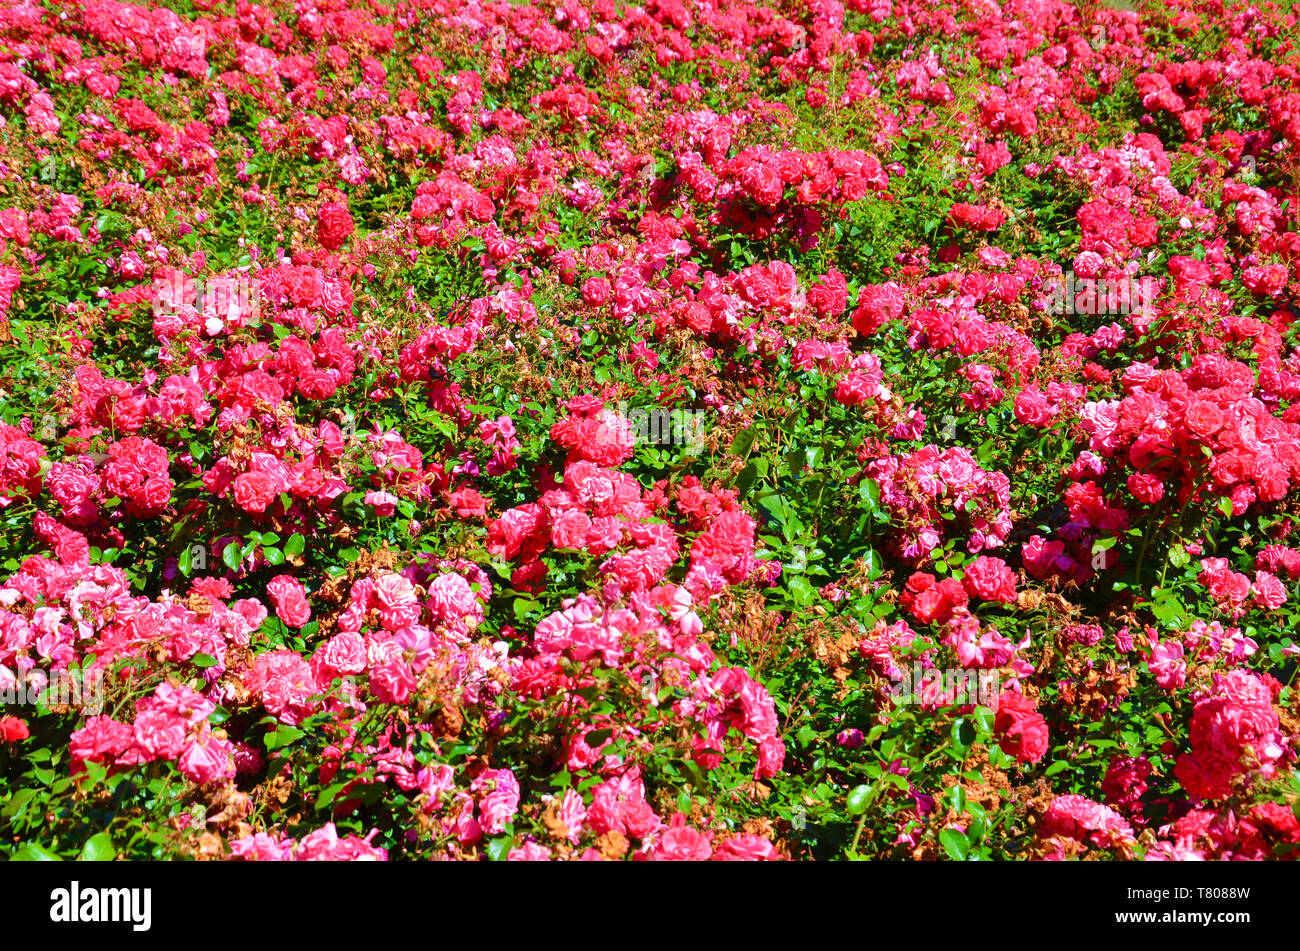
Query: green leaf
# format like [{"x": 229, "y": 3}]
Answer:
[
  {"x": 857, "y": 800},
  {"x": 31, "y": 852},
  {"x": 203, "y": 660},
  {"x": 955, "y": 844},
  {"x": 282, "y": 737},
  {"x": 327, "y": 795},
  {"x": 98, "y": 848},
  {"x": 524, "y": 607},
  {"x": 801, "y": 590},
  {"x": 230, "y": 555},
  {"x": 498, "y": 850},
  {"x": 294, "y": 546}
]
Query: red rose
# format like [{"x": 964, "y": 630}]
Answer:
[
  {"x": 1020, "y": 728},
  {"x": 334, "y": 225},
  {"x": 930, "y": 602},
  {"x": 920, "y": 581},
  {"x": 316, "y": 384},
  {"x": 529, "y": 577},
  {"x": 975, "y": 217},
  {"x": 304, "y": 286},
  {"x": 469, "y": 503},
  {"x": 877, "y": 304},
  {"x": 254, "y": 491},
  {"x": 1146, "y": 488},
  {"x": 12, "y": 729},
  {"x": 606, "y": 439},
  {"x": 1203, "y": 418}
]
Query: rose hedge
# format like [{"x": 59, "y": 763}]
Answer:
[{"x": 718, "y": 430}]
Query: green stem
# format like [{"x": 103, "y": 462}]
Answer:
[{"x": 857, "y": 833}]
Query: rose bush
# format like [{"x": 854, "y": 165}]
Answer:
[{"x": 743, "y": 431}]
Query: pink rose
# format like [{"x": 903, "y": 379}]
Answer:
[
  {"x": 1033, "y": 408},
  {"x": 746, "y": 848},
  {"x": 680, "y": 843},
  {"x": 498, "y": 806},
  {"x": 1269, "y": 591},
  {"x": 595, "y": 291},
  {"x": 342, "y": 654},
  {"x": 290, "y": 600},
  {"x": 451, "y": 597},
  {"x": 570, "y": 530},
  {"x": 1167, "y": 666},
  {"x": 254, "y": 491},
  {"x": 101, "y": 739},
  {"x": 284, "y": 682},
  {"x": 385, "y": 503},
  {"x": 208, "y": 760},
  {"x": 990, "y": 579},
  {"x": 391, "y": 681},
  {"x": 854, "y": 389},
  {"x": 397, "y": 603},
  {"x": 159, "y": 733},
  {"x": 530, "y": 852}
]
